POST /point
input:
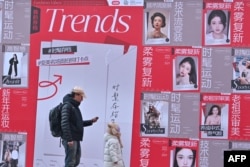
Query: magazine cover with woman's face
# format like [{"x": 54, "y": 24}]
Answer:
[
  {"x": 185, "y": 73},
  {"x": 217, "y": 27}
]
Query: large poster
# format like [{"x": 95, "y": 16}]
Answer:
[
  {"x": 88, "y": 60},
  {"x": 174, "y": 74},
  {"x": 17, "y": 93},
  {"x": 103, "y": 65}
]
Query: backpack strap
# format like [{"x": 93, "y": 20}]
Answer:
[{"x": 60, "y": 142}]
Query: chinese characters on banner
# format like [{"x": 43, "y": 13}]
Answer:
[{"x": 174, "y": 74}]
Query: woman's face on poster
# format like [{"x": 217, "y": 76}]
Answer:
[
  {"x": 157, "y": 22},
  {"x": 185, "y": 69},
  {"x": 215, "y": 110},
  {"x": 217, "y": 25},
  {"x": 185, "y": 157}
]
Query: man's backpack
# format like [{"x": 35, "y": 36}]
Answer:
[{"x": 55, "y": 120}]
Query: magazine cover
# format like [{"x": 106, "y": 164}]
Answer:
[
  {"x": 154, "y": 114},
  {"x": 163, "y": 114},
  {"x": 168, "y": 23},
  {"x": 13, "y": 149},
  {"x": 157, "y": 23},
  {"x": 214, "y": 116},
  {"x": 219, "y": 23},
  {"x": 211, "y": 152},
  {"x": 183, "y": 152},
  {"x": 186, "y": 69},
  {"x": 241, "y": 70},
  {"x": 224, "y": 116},
  {"x": 216, "y": 69},
  {"x": 162, "y": 60},
  {"x": 217, "y": 27},
  {"x": 15, "y": 65}
]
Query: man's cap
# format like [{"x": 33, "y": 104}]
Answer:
[{"x": 79, "y": 90}]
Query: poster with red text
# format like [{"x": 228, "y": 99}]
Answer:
[
  {"x": 240, "y": 26},
  {"x": 97, "y": 54},
  {"x": 174, "y": 74},
  {"x": 17, "y": 92},
  {"x": 238, "y": 117},
  {"x": 186, "y": 69},
  {"x": 155, "y": 61},
  {"x": 214, "y": 116},
  {"x": 184, "y": 152},
  {"x": 152, "y": 151},
  {"x": 225, "y": 69},
  {"x": 224, "y": 23},
  {"x": 241, "y": 70},
  {"x": 224, "y": 116},
  {"x": 179, "y": 68}
]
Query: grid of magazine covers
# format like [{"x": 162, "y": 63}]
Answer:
[
  {"x": 15, "y": 48},
  {"x": 194, "y": 73},
  {"x": 174, "y": 74}
]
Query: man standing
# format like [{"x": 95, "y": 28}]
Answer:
[{"x": 73, "y": 125}]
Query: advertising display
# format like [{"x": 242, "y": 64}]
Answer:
[
  {"x": 173, "y": 74},
  {"x": 94, "y": 49}
]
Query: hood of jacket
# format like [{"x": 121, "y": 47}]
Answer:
[
  {"x": 69, "y": 98},
  {"x": 108, "y": 136}
]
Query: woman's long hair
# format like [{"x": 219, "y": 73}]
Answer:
[{"x": 192, "y": 74}]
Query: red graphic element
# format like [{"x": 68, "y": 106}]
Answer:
[{"x": 44, "y": 84}]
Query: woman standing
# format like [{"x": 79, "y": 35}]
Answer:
[{"x": 13, "y": 62}]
